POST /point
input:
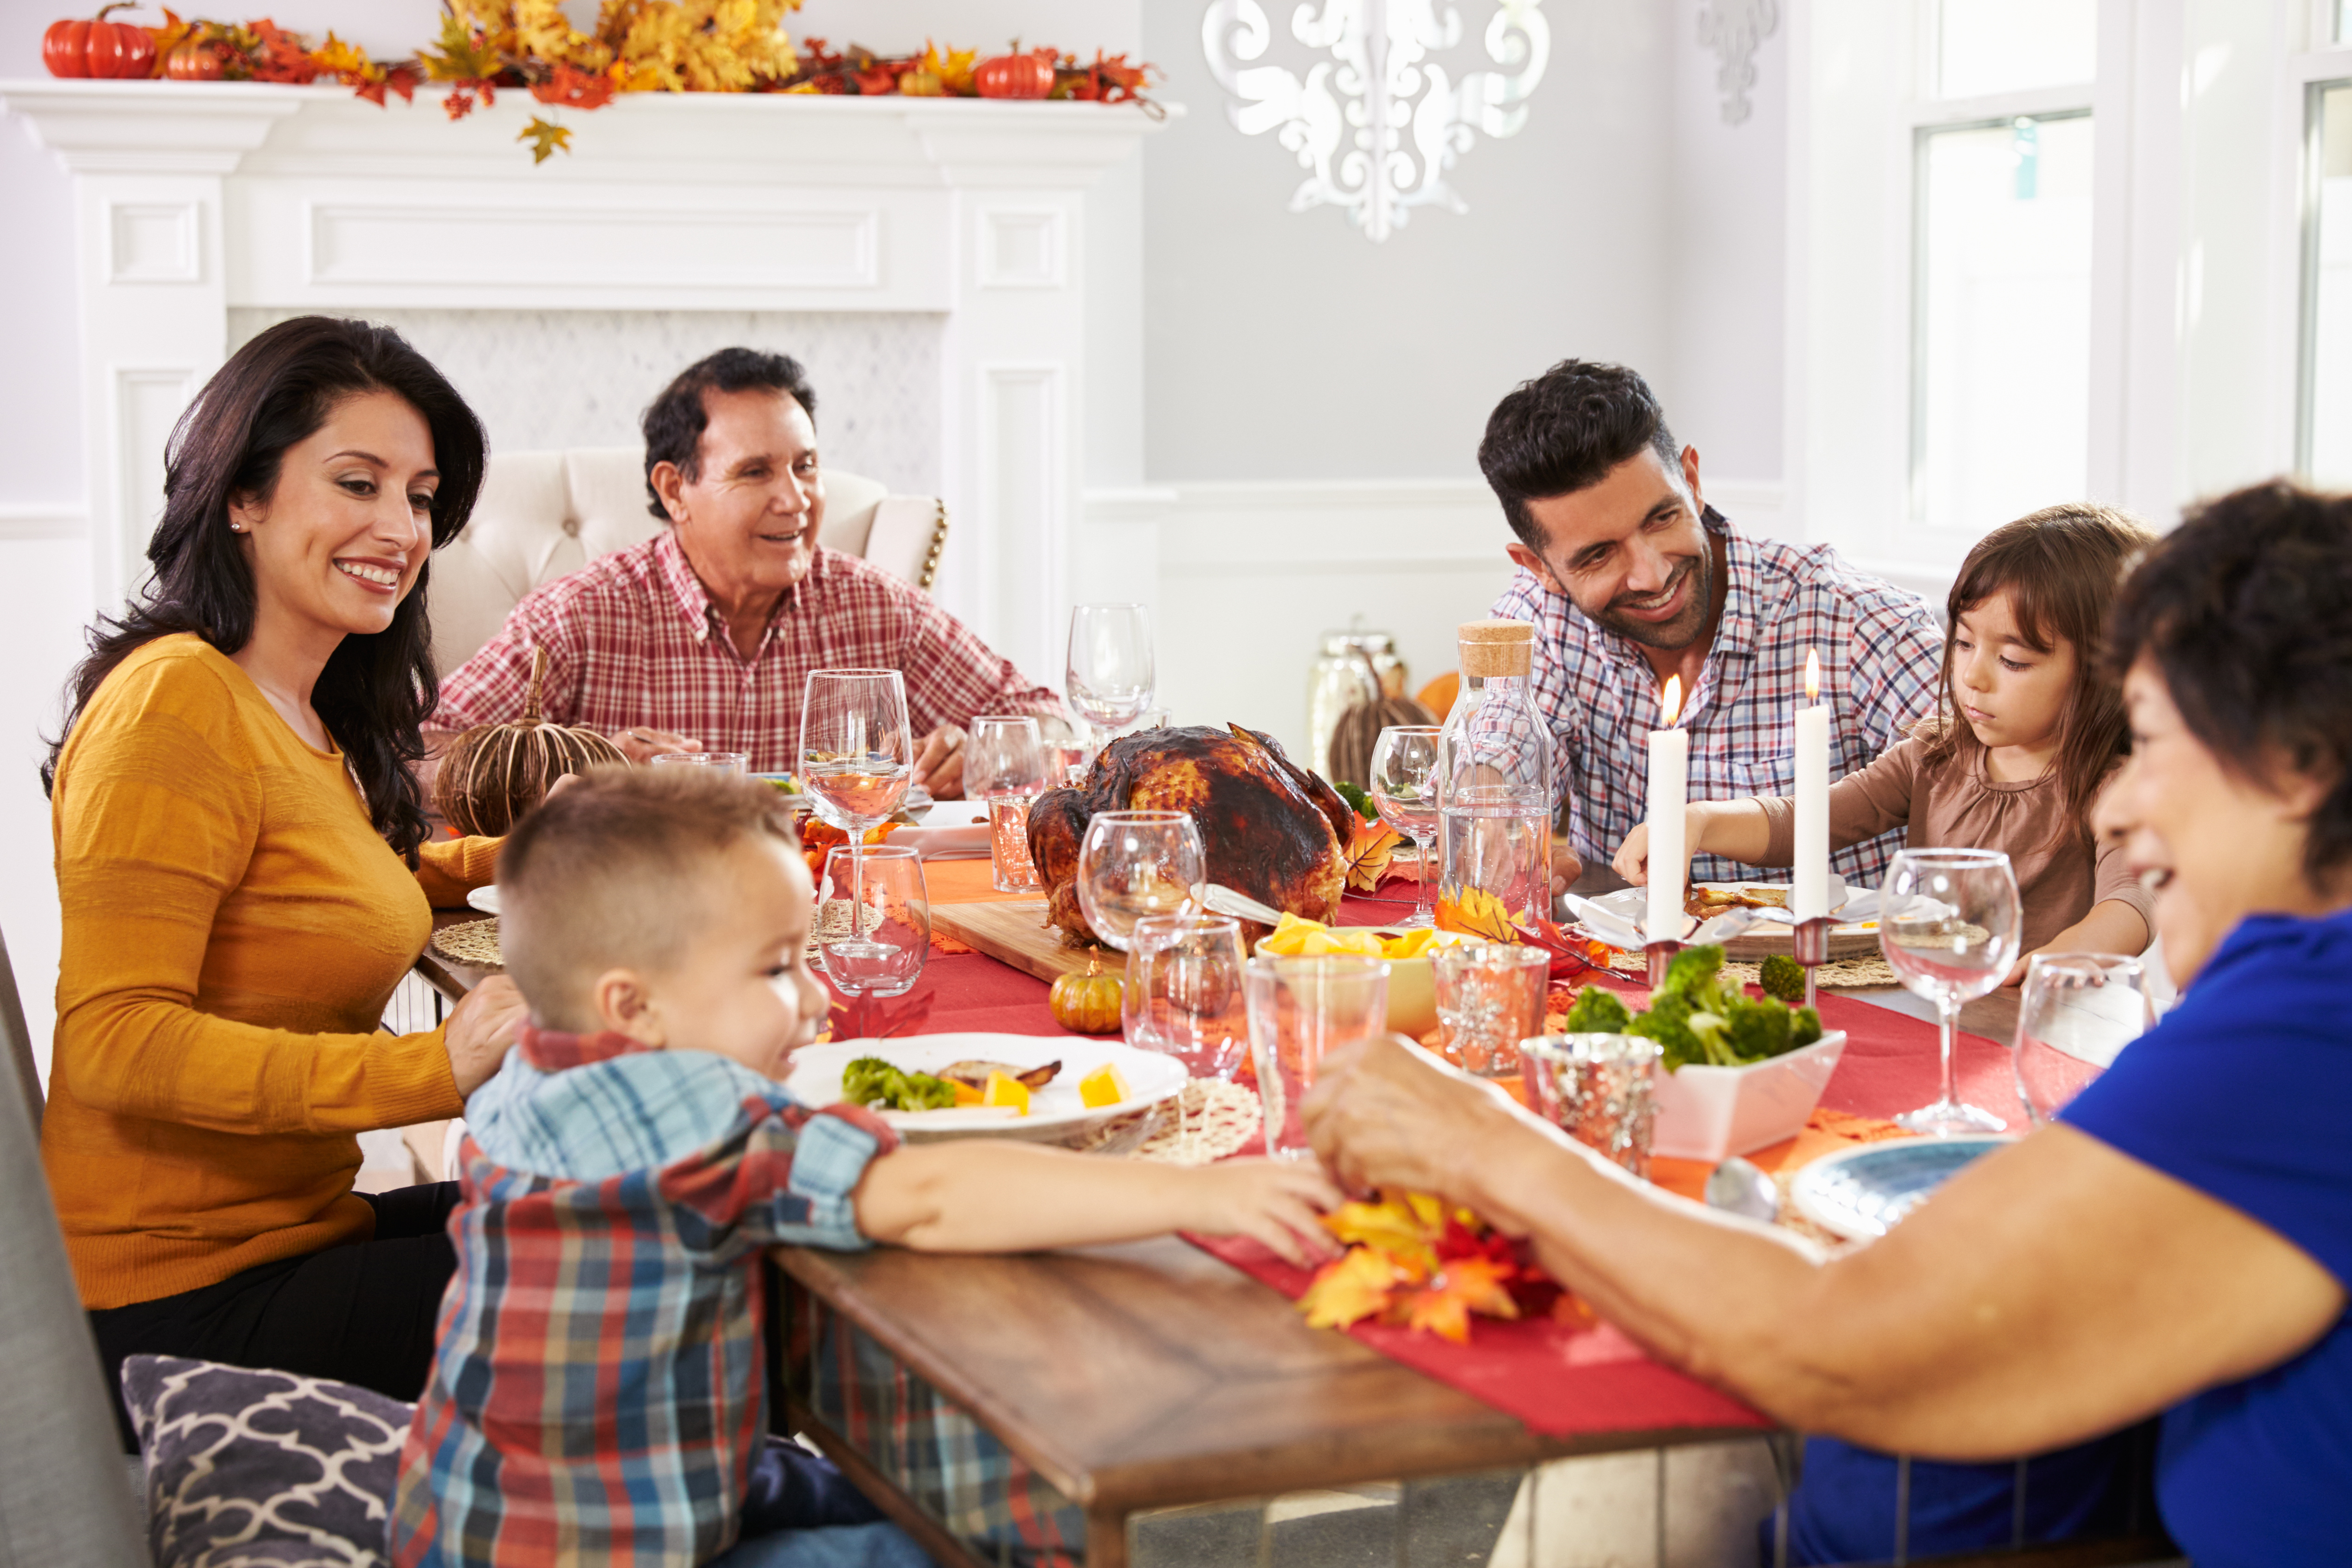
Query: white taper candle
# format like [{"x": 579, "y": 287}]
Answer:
[
  {"x": 1810, "y": 899},
  {"x": 1669, "y": 789}
]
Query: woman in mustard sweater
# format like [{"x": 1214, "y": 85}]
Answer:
[{"x": 243, "y": 868}]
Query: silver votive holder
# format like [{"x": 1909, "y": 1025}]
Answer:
[{"x": 1598, "y": 1088}]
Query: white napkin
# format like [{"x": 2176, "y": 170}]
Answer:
[{"x": 944, "y": 843}]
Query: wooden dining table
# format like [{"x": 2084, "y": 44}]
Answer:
[{"x": 1135, "y": 1380}]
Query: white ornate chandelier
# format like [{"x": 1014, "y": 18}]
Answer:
[{"x": 1347, "y": 122}]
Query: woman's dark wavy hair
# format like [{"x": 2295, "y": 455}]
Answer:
[
  {"x": 2245, "y": 609},
  {"x": 2060, "y": 567},
  {"x": 277, "y": 390}
]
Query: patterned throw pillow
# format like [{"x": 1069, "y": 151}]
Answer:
[{"x": 250, "y": 1467}]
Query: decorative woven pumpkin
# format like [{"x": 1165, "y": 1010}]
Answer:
[
  {"x": 1359, "y": 730},
  {"x": 1087, "y": 1003},
  {"x": 494, "y": 773}
]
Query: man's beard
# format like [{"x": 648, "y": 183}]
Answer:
[{"x": 1684, "y": 628}]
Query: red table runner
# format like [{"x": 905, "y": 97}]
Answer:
[{"x": 1560, "y": 1381}]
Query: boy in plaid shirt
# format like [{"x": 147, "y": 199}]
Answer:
[{"x": 598, "y": 1393}]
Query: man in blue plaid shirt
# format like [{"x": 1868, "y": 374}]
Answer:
[{"x": 1630, "y": 577}]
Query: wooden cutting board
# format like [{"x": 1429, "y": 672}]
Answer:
[{"x": 1016, "y": 934}]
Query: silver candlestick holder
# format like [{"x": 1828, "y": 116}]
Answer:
[
  {"x": 1661, "y": 953},
  {"x": 1810, "y": 941}
]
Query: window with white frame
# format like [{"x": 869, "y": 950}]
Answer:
[
  {"x": 2001, "y": 226},
  {"x": 2325, "y": 447}
]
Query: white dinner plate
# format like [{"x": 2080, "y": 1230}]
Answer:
[
  {"x": 1056, "y": 1114},
  {"x": 1850, "y": 906},
  {"x": 1863, "y": 1193},
  {"x": 485, "y": 899}
]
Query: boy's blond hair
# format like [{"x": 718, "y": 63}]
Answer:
[{"x": 619, "y": 871}]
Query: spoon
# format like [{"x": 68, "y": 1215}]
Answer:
[{"x": 1736, "y": 1186}]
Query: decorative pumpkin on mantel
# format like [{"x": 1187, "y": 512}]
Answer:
[
  {"x": 493, "y": 774},
  {"x": 98, "y": 48},
  {"x": 1014, "y": 76}
]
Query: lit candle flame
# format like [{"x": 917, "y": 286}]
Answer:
[
  {"x": 1812, "y": 677},
  {"x": 1673, "y": 700}
]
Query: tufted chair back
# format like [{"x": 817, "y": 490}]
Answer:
[{"x": 544, "y": 514}]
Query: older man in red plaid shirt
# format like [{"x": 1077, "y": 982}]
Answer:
[{"x": 703, "y": 637}]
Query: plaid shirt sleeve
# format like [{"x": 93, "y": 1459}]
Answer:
[
  {"x": 1897, "y": 664},
  {"x": 952, "y": 675},
  {"x": 489, "y": 687}
]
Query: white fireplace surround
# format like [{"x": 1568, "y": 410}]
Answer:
[{"x": 196, "y": 198}]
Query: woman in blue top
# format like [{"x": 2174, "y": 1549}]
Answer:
[{"x": 2181, "y": 1243}]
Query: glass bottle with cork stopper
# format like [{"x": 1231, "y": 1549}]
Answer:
[{"x": 1494, "y": 774}]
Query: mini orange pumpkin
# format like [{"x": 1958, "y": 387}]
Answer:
[
  {"x": 191, "y": 60},
  {"x": 494, "y": 773},
  {"x": 1016, "y": 76},
  {"x": 1087, "y": 1003}
]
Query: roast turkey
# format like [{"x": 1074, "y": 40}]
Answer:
[{"x": 1271, "y": 829}]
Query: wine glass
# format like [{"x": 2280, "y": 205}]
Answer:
[
  {"x": 1134, "y": 863},
  {"x": 1110, "y": 664},
  {"x": 856, "y": 755},
  {"x": 2078, "y": 1011},
  {"x": 1182, "y": 996},
  {"x": 1404, "y": 788},
  {"x": 1948, "y": 924},
  {"x": 876, "y": 939},
  {"x": 1005, "y": 765}
]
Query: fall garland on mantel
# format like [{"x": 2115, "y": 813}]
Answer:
[{"x": 638, "y": 45}]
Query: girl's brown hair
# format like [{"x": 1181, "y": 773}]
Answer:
[{"x": 2060, "y": 567}]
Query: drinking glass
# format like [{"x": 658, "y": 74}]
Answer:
[
  {"x": 1134, "y": 863},
  {"x": 2078, "y": 1011},
  {"x": 1005, "y": 765},
  {"x": 1405, "y": 789},
  {"x": 876, "y": 937},
  {"x": 1490, "y": 997},
  {"x": 1948, "y": 924},
  {"x": 733, "y": 762},
  {"x": 856, "y": 755},
  {"x": 1299, "y": 1009},
  {"x": 1110, "y": 663},
  {"x": 1183, "y": 997}
]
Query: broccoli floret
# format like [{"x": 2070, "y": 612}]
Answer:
[
  {"x": 1782, "y": 977},
  {"x": 1668, "y": 1023},
  {"x": 1355, "y": 797},
  {"x": 1804, "y": 1028},
  {"x": 1596, "y": 1011},
  {"x": 1757, "y": 1029},
  {"x": 1693, "y": 970},
  {"x": 870, "y": 1080}
]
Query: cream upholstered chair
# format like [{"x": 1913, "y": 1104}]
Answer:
[{"x": 544, "y": 514}]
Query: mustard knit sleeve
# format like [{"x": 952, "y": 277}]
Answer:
[
  {"x": 449, "y": 869},
  {"x": 156, "y": 812}
]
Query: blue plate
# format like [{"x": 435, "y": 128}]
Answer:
[{"x": 1863, "y": 1193}]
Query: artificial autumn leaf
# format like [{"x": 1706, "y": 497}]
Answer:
[
  {"x": 575, "y": 89},
  {"x": 545, "y": 139},
  {"x": 953, "y": 70},
  {"x": 1370, "y": 851},
  {"x": 1389, "y": 1226},
  {"x": 1474, "y": 911},
  {"x": 465, "y": 55},
  {"x": 1443, "y": 1306},
  {"x": 1350, "y": 1288}
]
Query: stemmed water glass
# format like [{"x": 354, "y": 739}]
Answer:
[
  {"x": 1948, "y": 922},
  {"x": 1110, "y": 674},
  {"x": 1134, "y": 863},
  {"x": 2079, "y": 1010},
  {"x": 1005, "y": 766},
  {"x": 1182, "y": 996},
  {"x": 1405, "y": 789},
  {"x": 857, "y": 759}
]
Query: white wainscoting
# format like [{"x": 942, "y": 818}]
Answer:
[{"x": 1244, "y": 578}]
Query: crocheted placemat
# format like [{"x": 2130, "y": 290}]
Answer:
[
  {"x": 1839, "y": 974},
  {"x": 1218, "y": 1119},
  {"x": 475, "y": 943}
]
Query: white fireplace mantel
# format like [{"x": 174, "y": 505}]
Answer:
[{"x": 193, "y": 199}]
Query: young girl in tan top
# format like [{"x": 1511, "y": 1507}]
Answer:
[{"x": 2028, "y": 735}]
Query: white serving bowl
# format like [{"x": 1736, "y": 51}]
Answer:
[{"x": 1712, "y": 1113}]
